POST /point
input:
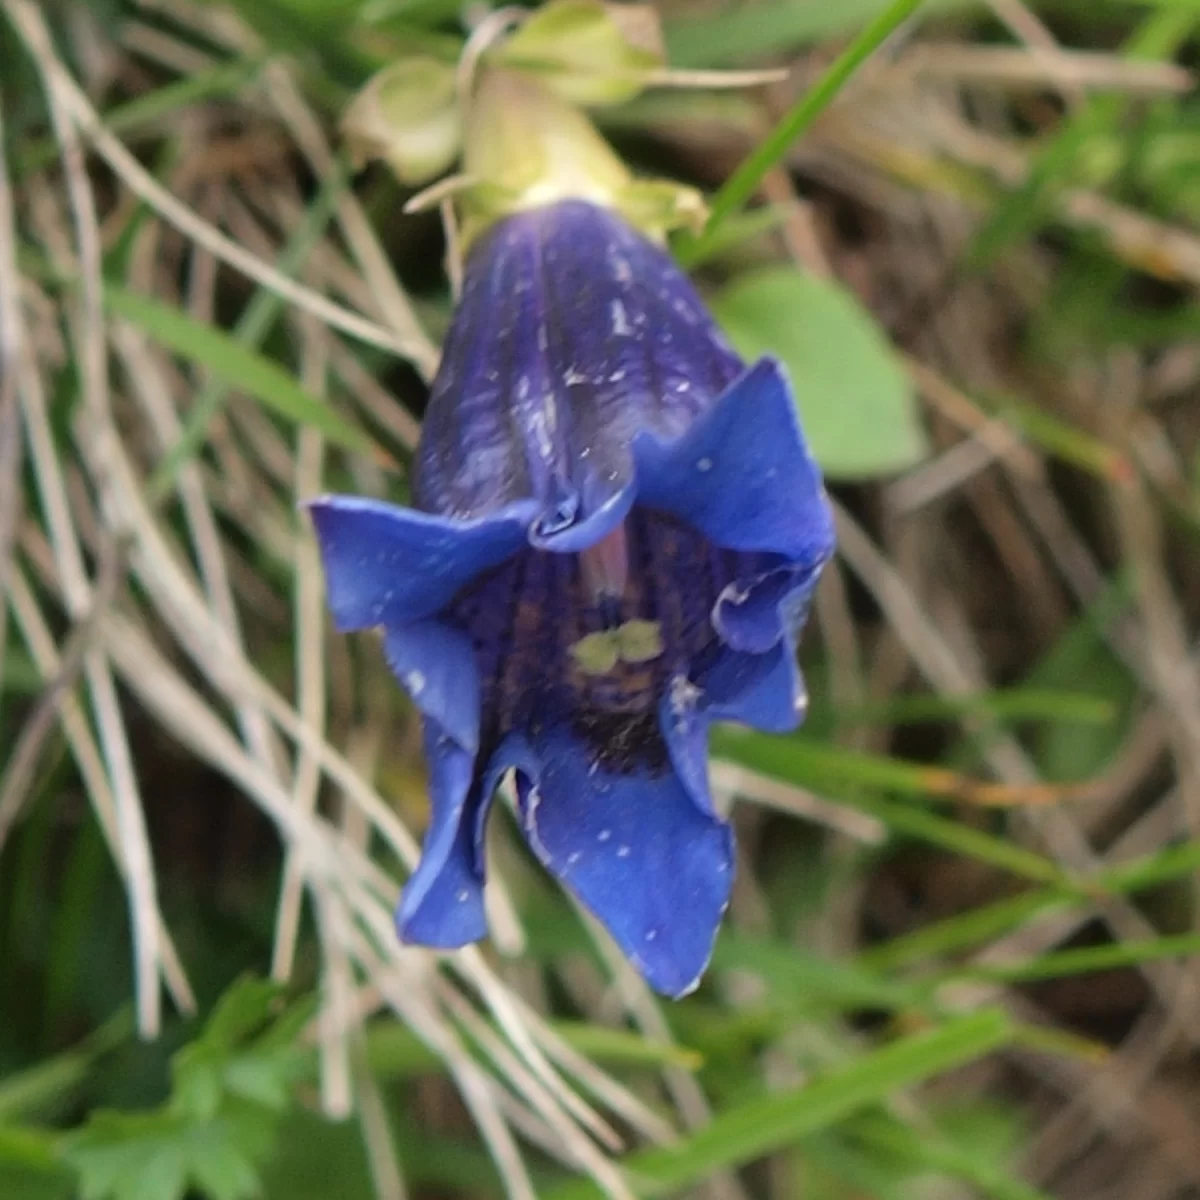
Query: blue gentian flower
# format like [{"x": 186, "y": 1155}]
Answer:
[{"x": 616, "y": 532}]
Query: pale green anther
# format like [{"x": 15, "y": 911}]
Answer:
[
  {"x": 641, "y": 641},
  {"x": 597, "y": 653},
  {"x": 634, "y": 643}
]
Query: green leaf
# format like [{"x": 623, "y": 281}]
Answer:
[
  {"x": 221, "y": 354},
  {"x": 219, "y": 1123},
  {"x": 54, "y": 1080},
  {"x": 1083, "y": 960},
  {"x": 161, "y": 1155},
  {"x": 791, "y": 971},
  {"x": 765, "y": 1124},
  {"x": 855, "y": 400}
]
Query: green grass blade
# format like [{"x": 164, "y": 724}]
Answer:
[
  {"x": 767, "y": 1123},
  {"x": 1084, "y": 960},
  {"x": 844, "y": 774},
  {"x": 54, "y": 1080},
  {"x": 225, "y": 79},
  {"x": 742, "y": 183},
  {"x": 250, "y": 331},
  {"x": 1008, "y": 704},
  {"x": 243, "y": 368},
  {"x": 935, "y": 1151}
]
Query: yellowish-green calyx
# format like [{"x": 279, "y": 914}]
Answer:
[
  {"x": 526, "y": 147},
  {"x": 408, "y": 116}
]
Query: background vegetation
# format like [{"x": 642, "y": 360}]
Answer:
[{"x": 960, "y": 960}]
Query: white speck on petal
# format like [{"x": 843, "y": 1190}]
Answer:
[
  {"x": 464, "y": 896},
  {"x": 683, "y": 695},
  {"x": 622, "y": 851},
  {"x": 616, "y": 376},
  {"x": 651, "y": 934},
  {"x": 604, "y": 835},
  {"x": 620, "y": 321},
  {"x": 704, "y": 464},
  {"x": 573, "y": 858},
  {"x": 416, "y": 682}
]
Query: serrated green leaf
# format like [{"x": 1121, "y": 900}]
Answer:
[
  {"x": 856, "y": 403},
  {"x": 161, "y": 1155}
]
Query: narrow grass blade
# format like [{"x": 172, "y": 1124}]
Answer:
[
  {"x": 768, "y": 1123},
  {"x": 742, "y": 183}
]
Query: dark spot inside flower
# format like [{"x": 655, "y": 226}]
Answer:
[
  {"x": 623, "y": 743},
  {"x": 540, "y": 625}
]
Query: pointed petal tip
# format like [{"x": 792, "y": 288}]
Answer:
[
  {"x": 676, "y": 971},
  {"x": 440, "y": 925},
  {"x": 742, "y": 473},
  {"x": 636, "y": 849}
]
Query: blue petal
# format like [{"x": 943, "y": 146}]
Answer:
[
  {"x": 437, "y": 666},
  {"x": 570, "y": 535},
  {"x": 636, "y": 850},
  {"x": 442, "y": 904},
  {"x": 683, "y": 720},
  {"x": 386, "y": 565},
  {"x": 573, "y": 333},
  {"x": 763, "y": 691},
  {"x": 742, "y": 473},
  {"x": 747, "y": 615}
]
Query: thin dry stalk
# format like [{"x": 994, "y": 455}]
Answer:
[{"x": 310, "y": 662}]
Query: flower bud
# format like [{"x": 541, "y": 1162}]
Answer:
[
  {"x": 408, "y": 117},
  {"x": 588, "y": 52}
]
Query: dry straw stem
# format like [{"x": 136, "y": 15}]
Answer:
[
  {"x": 1067, "y": 71},
  {"x": 954, "y": 673},
  {"x": 28, "y": 21},
  {"x": 310, "y": 664},
  {"x": 87, "y": 335},
  {"x": 10, "y": 415}
]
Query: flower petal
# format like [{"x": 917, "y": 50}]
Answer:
[
  {"x": 636, "y": 849},
  {"x": 747, "y": 615},
  {"x": 386, "y": 565},
  {"x": 436, "y": 664},
  {"x": 573, "y": 333},
  {"x": 763, "y": 691},
  {"x": 742, "y": 473},
  {"x": 683, "y": 720},
  {"x": 442, "y": 904}
]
